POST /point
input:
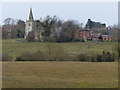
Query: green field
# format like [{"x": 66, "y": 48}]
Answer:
[
  {"x": 15, "y": 48},
  {"x": 60, "y": 75},
  {"x": 56, "y": 74}
]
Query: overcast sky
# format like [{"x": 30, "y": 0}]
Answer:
[{"x": 105, "y": 12}]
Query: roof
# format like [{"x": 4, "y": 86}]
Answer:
[
  {"x": 31, "y": 15},
  {"x": 97, "y": 34},
  {"x": 84, "y": 30},
  {"x": 106, "y": 35}
]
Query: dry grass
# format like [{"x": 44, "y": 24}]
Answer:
[{"x": 60, "y": 74}]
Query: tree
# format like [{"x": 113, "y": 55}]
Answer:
[
  {"x": 20, "y": 28},
  {"x": 114, "y": 31},
  {"x": 14, "y": 32},
  {"x": 16, "y": 27},
  {"x": 31, "y": 36},
  {"x": 9, "y": 21},
  {"x": 81, "y": 25},
  {"x": 17, "y": 30},
  {"x": 68, "y": 30},
  {"x": 48, "y": 24},
  {"x": 100, "y": 38}
]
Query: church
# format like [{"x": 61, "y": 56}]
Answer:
[{"x": 31, "y": 26}]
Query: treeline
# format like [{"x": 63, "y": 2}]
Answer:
[
  {"x": 55, "y": 30},
  {"x": 52, "y": 29},
  {"x": 13, "y": 28}
]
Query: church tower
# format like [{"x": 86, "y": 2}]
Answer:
[{"x": 30, "y": 24}]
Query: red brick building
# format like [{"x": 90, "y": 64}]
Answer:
[
  {"x": 84, "y": 35},
  {"x": 106, "y": 37}
]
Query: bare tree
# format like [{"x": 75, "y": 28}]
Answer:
[
  {"x": 48, "y": 24},
  {"x": 9, "y": 21}
]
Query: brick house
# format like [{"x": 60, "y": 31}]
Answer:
[
  {"x": 106, "y": 37},
  {"x": 100, "y": 36},
  {"x": 96, "y": 36},
  {"x": 84, "y": 35}
]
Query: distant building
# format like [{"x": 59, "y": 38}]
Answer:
[
  {"x": 91, "y": 24},
  {"x": 100, "y": 36},
  {"x": 84, "y": 35},
  {"x": 96, "y": 36},
  {"x": 106, "y": 37},
  {"x": 31, "y": 25}
]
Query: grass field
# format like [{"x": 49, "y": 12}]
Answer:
[
  {"x": 57, "y": 74},
  {"x": 60, "y": 75},
  {"x": 15, "y": 48}
]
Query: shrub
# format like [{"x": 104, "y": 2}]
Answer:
[
  {"x": 52, "y": 39},
  {"x": 83, "y": 57},
  {"x": 31, "y": 36},
  {"x": 92, "y": 58},
  {"x": 19, "y": 59},
  {"x": 108, "y": 57},
  {"x": 75, "y": 40},
  {"x": 99, "y": 58},
  {"x": 54, "y": 52},
  {"x": 6, "y": 57},
  {"x": 105, "y": 57},
  {"x": 27, "y": 56},
  {"x": 66, "y": 57},
  {"x": 82, "y": 40}
]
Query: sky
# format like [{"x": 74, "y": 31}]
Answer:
[{"x": 104, "y": 12}]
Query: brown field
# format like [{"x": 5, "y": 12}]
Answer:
[{"x": 60, "y": 74}]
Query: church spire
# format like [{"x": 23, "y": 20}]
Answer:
[{"x": 31, "y": 15}]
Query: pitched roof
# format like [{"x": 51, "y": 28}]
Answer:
[{"x": 31, "y": 15}]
